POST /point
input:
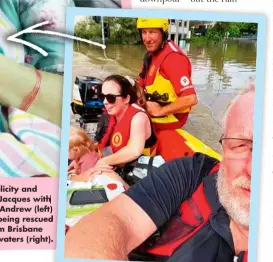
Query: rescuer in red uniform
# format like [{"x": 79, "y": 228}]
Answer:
[{"x": 165, "y": 78}]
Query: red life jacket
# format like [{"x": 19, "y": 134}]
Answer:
[
  {"x": 169, "y": 48},
  {"x": 118, "y": 135},
  {"x": 192, "y": 216},
  {"x": 160, "y": 89}
]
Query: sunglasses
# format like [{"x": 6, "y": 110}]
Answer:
[{"x": 109, "y": 97}]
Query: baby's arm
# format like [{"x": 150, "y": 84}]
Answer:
[{"x": 71, "y": 165}]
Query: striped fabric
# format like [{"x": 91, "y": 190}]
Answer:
[{"x": 30, "y": 148}]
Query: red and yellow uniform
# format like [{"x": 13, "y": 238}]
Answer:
[
  {"x": 168, "y": 77},
  {"x": 118, "y": 134},
  {"x": 165, "y": 78}
]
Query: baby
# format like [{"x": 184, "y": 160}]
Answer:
[{"x": 81, "y": 151}]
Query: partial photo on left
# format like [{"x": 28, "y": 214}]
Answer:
[
  {"x": 31, "y": 86},
  {"x": 31, "y": 89}
]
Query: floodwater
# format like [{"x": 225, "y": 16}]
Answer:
[{"x": 219, "y": 71}]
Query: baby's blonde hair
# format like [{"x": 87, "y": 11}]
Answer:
[{"x": 79, "y": 138}]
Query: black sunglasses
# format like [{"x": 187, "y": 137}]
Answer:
[{"x": 109, "y": 97}]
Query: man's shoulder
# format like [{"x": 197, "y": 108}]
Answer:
[
  {"x": 173, "y": 46},
  {"x": 174, "y": 58},
  {"x": 177, "y": 57},
  {"x": 197, "y": 157},
  {"x": 198, "y": 163}
]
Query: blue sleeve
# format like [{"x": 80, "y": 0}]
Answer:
[{"x": 161, "y": 193}]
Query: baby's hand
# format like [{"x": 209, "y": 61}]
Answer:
[
  {"x": 71, "y": 165},
  {"x": 97, "y": 170}
]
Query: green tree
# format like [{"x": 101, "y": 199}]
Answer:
[
  {"x": 234, "y": 29},
  {"x": 122, "y": 30}
]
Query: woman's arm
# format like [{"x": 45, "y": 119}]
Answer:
[
  {"x": 17, "y": 81},
  {"x": 140, "y": 131}
]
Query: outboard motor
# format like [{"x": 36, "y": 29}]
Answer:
[{"x": 85, "y": 100}]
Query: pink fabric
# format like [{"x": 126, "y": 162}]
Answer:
[
  {"x": 86, "y": 161},
  {"x": 126, "y": 4}
]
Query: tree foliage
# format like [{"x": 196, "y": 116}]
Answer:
[
  {"x": 220, "y": 29},
  {"x": 122, "y": 30}
]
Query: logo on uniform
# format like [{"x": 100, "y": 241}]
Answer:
[
  {"x": 117, "y": 139},
  {"x": 184, "y": 81}
]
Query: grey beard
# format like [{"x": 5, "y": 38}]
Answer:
[{"x": 233, "y": 204}]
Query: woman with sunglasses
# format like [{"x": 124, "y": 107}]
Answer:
[{"x": 129, "y": 134}]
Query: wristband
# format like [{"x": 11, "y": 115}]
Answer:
[{"x": 28, "y": 100}]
